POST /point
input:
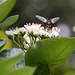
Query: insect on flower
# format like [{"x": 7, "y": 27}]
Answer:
[{"x": 48, "y": 22}]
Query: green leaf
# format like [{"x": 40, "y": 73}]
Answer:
[
  {"x": 51, "y": 52},
  {"x": 70, "y": 73},
  {"x": 9, "y": 21},
  {"x": 23, "y": 71},
  {"x": 6, "y": 65},
  {"x": 2, "y": 43},
  {"x": 5, "y": 8}
]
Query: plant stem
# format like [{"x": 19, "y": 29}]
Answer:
[
  {"x": 25, "y": 45},
  {"x": 31, "y": 42},
  {"x": 26, "y": 41},
  {"x": 18, "y": 45},
  {"x": 42, "y": 70},
  {"x": 35, "y": 40},
  {"x": 22, "y": 41},
  {"x": 23, "y": 50},
  {"x": 18, "y": 40},
  {"x": 15, "y": 42}
]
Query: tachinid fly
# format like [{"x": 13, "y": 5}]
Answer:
[{"x": 48, "y": 22}]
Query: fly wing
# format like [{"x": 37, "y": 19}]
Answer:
[
  {"x": 41, "y": 18},
  {"x": 53, "y": 20}
]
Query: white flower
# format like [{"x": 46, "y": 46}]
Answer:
[
  {"x": 55, "y": 29},
  {"x": 48, "y": 34},
  {"x": 35, "y": 33},
  {"x": 42, "y": 28},
  {"x": 22, "y": 30},
  {"x": 44, "y": 33},
  {"x": 32, "y": 28},
  {"x": 16, "y": 31},
  {"x": 11, "y": 32},
  {"x": 41, "y": 32},
  {"x": 55, "y": 32}
]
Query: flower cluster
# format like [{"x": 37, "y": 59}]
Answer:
[{"x": 30, "y": 33}]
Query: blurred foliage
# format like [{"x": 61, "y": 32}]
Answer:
[
  {"x": 9, "y": 21},
  {"x": 2, "y": 43},
  {"x": 70, "y": 73},
  {"x": 5, "y": 8},
  {"x": 61, "y": 69},
  {"x": 9, "y": 43},
  {"x": 23, "y": 71},
  {"x": 7, "y": 65},
  {"x": 6, "y": 53}
]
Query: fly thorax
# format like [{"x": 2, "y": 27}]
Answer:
[{"x": 49, "y": 22}]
